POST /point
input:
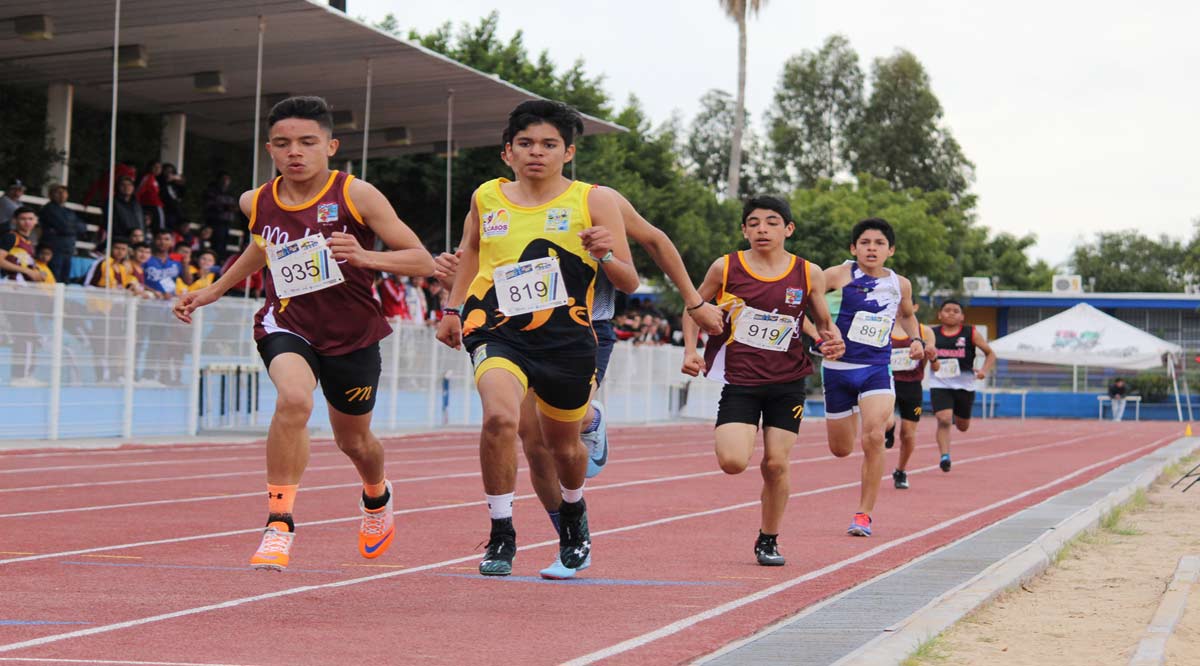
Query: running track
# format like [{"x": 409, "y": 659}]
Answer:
[{"x": 138, "y": 555}]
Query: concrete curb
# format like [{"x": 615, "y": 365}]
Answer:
[
  {"x": 1152, "y": 650},
  {"x": 904, "y": 638}
]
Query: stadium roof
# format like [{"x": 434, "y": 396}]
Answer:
[{"x": 309, "y": 48}]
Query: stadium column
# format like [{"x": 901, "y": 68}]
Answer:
[
  {"x": 60, "y": 100},
  {"x": 173, "y": 138}
]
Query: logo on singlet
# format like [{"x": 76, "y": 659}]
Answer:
[
  {"x": 495, "y": 223},
  {"x": 558, "y": 219},
  {"x": 793, "y": 296},
  {"x": 327, "y": 213}
]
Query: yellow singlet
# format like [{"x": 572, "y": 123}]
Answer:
[{"x": 510, "y": 234}]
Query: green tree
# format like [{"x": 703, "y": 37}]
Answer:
[
  {"x": 900, "y": 138},
  {"x": 709, "y": 145},
  {"x": 738, "y": 10},
  {"x": 1130, "y": 261},
  {"x": 819, "y": 97}
]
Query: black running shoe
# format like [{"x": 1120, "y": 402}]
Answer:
[
  {"x": 574, "y": 541},
  {"x": 889, "y": 437},
  {"x": 501, "y": 549},
  {"x": 945, "y": 463},
  {"x": 900, "y": 480},
  {"x": 766, "y": 549}
]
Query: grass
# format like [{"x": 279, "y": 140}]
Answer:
[
  {"x": 1113, "y": 522},
  {"x": 929, "y": 651}
]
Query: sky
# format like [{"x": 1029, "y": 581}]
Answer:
[{"x": 1079, "y": 117}]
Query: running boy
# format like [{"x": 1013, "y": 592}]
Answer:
[
  {"x": 759, "y": 357},
  {"x": 525, "y": 285},
  {"x": 312, "y": 227},
  {"x": 867, "y": 300},
  {"x": 908, "y": 372},
  {"x": 952, "y": 387}
]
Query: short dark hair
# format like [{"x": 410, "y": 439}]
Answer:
[
  {"x": 565, "y": 119},
  {"x": 877, "y": 223},
  {"x": 43, "y": 246},
  {"x": 138, "y": 246},
  {"x": 183, "y": 246},
  {"x": 768, "y": 203},
  {"x": 308, "y": 107},
  {"x": 120, "y": 240},
  {"x": 205, "y": 251},
  {"x": 949, "y": 301},
  {"x": 22, "y": 210}
]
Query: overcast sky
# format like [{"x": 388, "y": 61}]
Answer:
[{"x": 1080, "y": 117}]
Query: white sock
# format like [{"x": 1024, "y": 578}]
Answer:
[
  {"x": 571, "y": 496},
  {"x": 500, "y": 506}
]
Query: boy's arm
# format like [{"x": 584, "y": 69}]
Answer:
[
  {"x": 449, "y": 330},
  {"x": 693, "y": 362},
  {"x": 608, "y": 233}
]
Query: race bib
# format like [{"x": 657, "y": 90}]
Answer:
[
  {"x": 902, "y": 361},
  {"x": 868, "y": 328},
  {"x": 530, "y": 286},
  {"x": 948, "y": 368},
  {"x": 303, "y": 266},
  {"x": 764, "y": 330}
]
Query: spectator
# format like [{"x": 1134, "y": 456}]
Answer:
[
  {"x": 150, "y": 197},
  {"x": 393, "y": 296},
  {"x": 205, "y": 270},
  {"x": 254, "y": 283},
  {"x": 127, "y": 212},
  {"x": 162, "y": 270},
  {"x": 9, "y": 203},
  {"x": 183, "y": 254},
  {"x": 220, "y": 211},
  {"x": 61, "y": 227},
  {"x": 45, "y": 254},
  {"x": 170, "y": 188},
  {"x": 1117, "y": 390},
  {"x": 203, "y": 240},
  {"x": 97, "y": 192},
  {"x": 137, "y": 268},
  {"x": 115, "y": 271},
  {"x": 16, "y": 248}
]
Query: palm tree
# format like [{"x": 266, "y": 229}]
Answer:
[{"x": 737, "y": 10}]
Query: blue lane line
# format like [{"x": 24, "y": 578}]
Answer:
[
  {"x": 245, "y": 569},
  {"x": 590, "y": 581},
  {"x": 25, "y": 623}
]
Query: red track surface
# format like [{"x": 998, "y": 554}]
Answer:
[{"x": 672, "y": 540}]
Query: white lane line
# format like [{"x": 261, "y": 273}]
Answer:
[
  {"x": 341, "y": 486},
  {"x": 687, "y": 622},
  {"x": 475, "y": 556}
]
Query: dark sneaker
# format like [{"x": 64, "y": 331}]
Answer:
[
  {"x": 766, "y": 549},
  {"x": 900, "y": 480},
  {"x": 945, "y": 463},
  {"x": 889, "y": 437},
  {"x": 574, "y": 541},
  {"x": 501, "y": 549}
]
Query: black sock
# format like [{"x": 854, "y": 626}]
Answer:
[
  {"x": 285, "y": 518},
  {"x": 571, "y": 508},
  {"x": 376, "y": 503},
  {"x": 503, "y": 526}
]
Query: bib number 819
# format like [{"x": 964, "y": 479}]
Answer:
[{"x": 518, "y": 293}]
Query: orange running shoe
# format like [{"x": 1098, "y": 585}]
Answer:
[
  {"x": 273, "y": 552},
  {"x": 377, "y": 528}
]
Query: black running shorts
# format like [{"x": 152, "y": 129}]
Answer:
[
  {"x": 563, "y": 384},
  {"x": 349, "y": 381},
  {"x": 960, "y": 400},
  {"x": 776, "y": 405},
  {"x": 908, "y": 400}
]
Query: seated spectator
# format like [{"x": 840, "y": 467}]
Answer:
[
  {"x": 205, "y": 272},
  {"x": 183, "y": 254},
  {"x": 114, "y": 271},
  {"x": 10, "y": 201},
  {"x": 45, "y": 254},
  {"x": 162, "y": 270},
  {"x": 203, "y": 240},
  {"x": 16, "y": 248},
  {"x": 61, "y": 228},
  {"x": 137, "y": 237},
  {"x": 127, "y": 212},
  {"x": 137, "y": 268}
]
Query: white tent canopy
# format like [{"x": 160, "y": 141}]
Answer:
[{"x": 1086, "y": 336}]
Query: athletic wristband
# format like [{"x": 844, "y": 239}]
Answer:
[
  {"x": 818, "y": 343},
  {"x": 696, "y": 306},
  {"x": 453, "y": 312}
]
